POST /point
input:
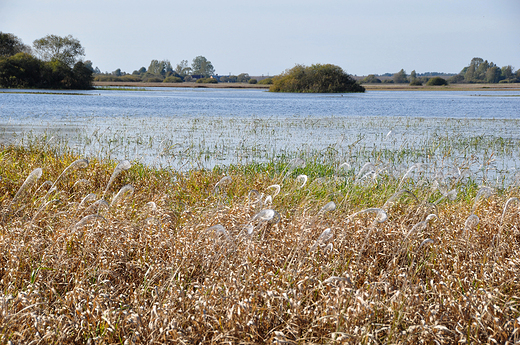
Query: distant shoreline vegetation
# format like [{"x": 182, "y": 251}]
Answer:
[
  {"x": 317, "y": 78},
  {"x": 58, "y": 65}
]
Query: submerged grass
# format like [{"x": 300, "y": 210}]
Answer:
[{"x": 349, "y": 256}]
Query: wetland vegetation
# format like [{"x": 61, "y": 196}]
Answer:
[{"x": 363, "y": 245}]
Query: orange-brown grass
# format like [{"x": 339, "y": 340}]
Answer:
[{"x": 145, "y": 275}]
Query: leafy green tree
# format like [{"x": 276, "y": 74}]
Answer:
[
  {"x": 11, "y": 45},
  {"x": 371, "y": 79},
  {"x": 469, "y": 74},
  {"x": 266, "y": 81},
  {"x": 400, "y": 77},
  {"x": 493, "y": 75},
  {"x": 157, "y": 67},
  {"x": 243, "y": 78},
  {"x": 507, "y": 72},
  {"x": 201, "y": 66},
  {"x": 316, "y": 78},
  {"x": 82, "y": 76},
  {"x": 182, "y": 68},
  {"x": 436, "y": 81},
  {"x": 21, "y": 70},
  {"x": 172, "y": 79},
  {"x": 65, "y": 49}
]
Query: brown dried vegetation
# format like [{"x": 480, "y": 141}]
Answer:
[{"x": 152, "y": 269}]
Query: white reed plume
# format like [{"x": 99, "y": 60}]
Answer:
[
  {"x": 301, "y": 179},
  {"x": 509, "y": 201},
  {"x": 87, "y": 220},
  {"x": 97, "y": 206},
  {"x": 425, "y": 242},
  {"x": 223, "y": 182},
  {"x": 343, "y": 168},
  {"x": 324, "y": 238},
  {"x": 295, "y": 163},
  {"x": 255, "y": 199},
  {"x": 276, "y": 188},
  {"x": 391, "y": 201},
  {"x": 78, "y": 164},
  {"x": 219, "y": 229},
  {"x": 368, "y": 167},
  {"x": 43, "y": 185},
  {"x": 80, "y": 182},
  {"x": 497, "y": 238},
  {"x": 421, "y": 226},
  {"x": 42, "y": 207},
  {"x": 150, "y": 206},
  {"x": 483, "y": 193},
  {"x": 471, "y": 222},
  {"x": 336, "y": 279},
  {"x": 330, "y": 206},
  {"x": 89, "y": 198},
  {"x": 381, "y": 214},
  {"x": 264, "y": 215},
  {"x": 128, "y": 189},
  {"x": 451, "y": 195},
  {"x": 123, "y": 165},
  {"x": 29, "y": 181},
  {"x": 249, "y": 228},
  {"x": 417, "y": 166}
]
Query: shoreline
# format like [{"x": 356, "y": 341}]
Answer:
[
  {"x": 368, "y": 87},
  {"x": 184, "y": 85}
]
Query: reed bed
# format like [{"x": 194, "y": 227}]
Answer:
[{"x": 286, "y": 252}]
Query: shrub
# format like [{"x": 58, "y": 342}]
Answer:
[
  {"x": 316, "y": 79},
  {"x": 253, "y": 81},
  {"x": 437, "y": 81},
  {"x": 266, "y": 81},
  {"x": 416, "y": 82},
  {"x": 207, "y": 81},
  {"x": 172, "y": 79},
  {"x": 371, "y": 79}
]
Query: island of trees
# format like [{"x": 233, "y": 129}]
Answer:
[
  {"x": 52, "y": 63},
  {"x": 316, "y": 79}
]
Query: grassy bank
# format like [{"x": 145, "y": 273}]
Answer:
[
  {"x": 451, "y": 87},
  {"x": 186, "y": 84},
  {"x": 292, "y": 252}
]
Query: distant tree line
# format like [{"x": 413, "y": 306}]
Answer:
[
  {"x": 201, "y": 70},
  {"x": 163, "y": 71},
  {"x": 482, "y": 71},
  {"x": 52, "y": 63},
  {"x": 478, "y": 71}
]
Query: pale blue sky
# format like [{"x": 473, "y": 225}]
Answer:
[{"x": 268, "y": 36}]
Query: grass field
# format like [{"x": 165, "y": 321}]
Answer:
[{"x": 286, "y": 252}]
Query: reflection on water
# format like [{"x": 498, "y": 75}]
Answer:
[{"x": 186, "y": 128}]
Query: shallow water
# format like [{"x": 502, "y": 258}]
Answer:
[{"x": 186, "y": 128}]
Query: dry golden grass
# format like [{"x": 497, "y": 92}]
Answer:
[{"x": 142, "y": 272}]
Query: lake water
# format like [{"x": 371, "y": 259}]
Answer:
[{"x": 187, "y": 128}]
